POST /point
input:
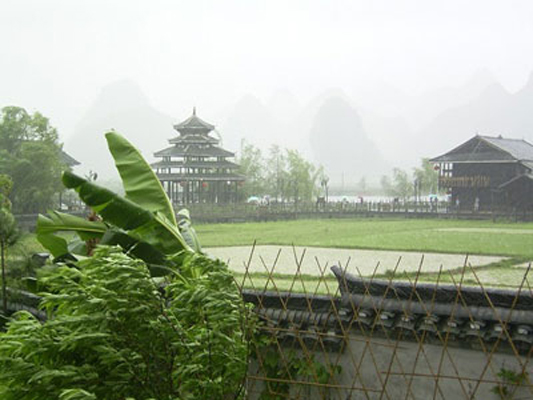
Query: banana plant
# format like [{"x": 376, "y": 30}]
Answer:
[{"x": 143, "y": 222}]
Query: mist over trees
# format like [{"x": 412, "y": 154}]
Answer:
[
  {"x": 340, "y": 142},
  {"x": 30, "y": 154},
  {"x": 281, "y": 174},
  {"x": 401, "y": 183}
]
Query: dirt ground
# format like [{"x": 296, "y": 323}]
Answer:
[{"x": 313, "y": 259}]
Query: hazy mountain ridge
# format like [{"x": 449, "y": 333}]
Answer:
[
  {"x": 341, "y": 145},
  {"x": 494, "y": 112},
  {"x": 121, "y": 106},
  {"x": 380, "y": 136}
]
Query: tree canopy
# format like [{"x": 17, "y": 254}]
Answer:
[
  {"x": 30, "y": 153},
  {"x": 401, "y": 184},
  {"x": 115, "y": 328},
  {"x": 283, "y": 174}
]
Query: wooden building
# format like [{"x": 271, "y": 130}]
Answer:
[
  {"x": 194, "y": 169},
  {"x": 488, "y": 173}
]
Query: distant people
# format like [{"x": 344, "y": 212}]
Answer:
[
  {"x": 457, "y": 204},
  {"x": 476, "y": 204},
  {"x": 320, "y": 203}
]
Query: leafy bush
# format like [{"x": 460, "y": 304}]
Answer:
[{"x": 114, "y": 333}]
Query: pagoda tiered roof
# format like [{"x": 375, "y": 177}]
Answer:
[
  {"x": 194, "y": 139},
  {"x": 195, "y": 164},
  {"x": 194, "y": 124},
  {"x": 194, "y": 150},
  {"x": 175, "y": 177}
]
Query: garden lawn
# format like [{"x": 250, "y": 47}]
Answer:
[{"x": 442, "y": 236}]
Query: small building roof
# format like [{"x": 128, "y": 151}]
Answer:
[
  {"x": 481, "y": 149},
  {"x": 523, "y": 177},
  {"x": 194, "y": 124},
  {"x": 68, "y": 159}
]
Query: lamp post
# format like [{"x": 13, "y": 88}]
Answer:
[{"x": 324, "y": 183}]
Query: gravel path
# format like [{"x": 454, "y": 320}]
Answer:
[{"x": 365, "y": 260}]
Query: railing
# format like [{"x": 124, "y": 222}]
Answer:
[
  {"x": 243, "y": 212},
  {"x": 344, "y": 336},
  {"x": 394, "y": 338}
]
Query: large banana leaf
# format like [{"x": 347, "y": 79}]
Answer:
[
  {"x": 139, "y": 180},
  {"x": 60, "y": 222},
  {"x": 139, "y": 223},
  {"x": 48, "y": 226}
]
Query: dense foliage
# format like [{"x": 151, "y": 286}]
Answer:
[
  {"x": 142, "y": 222},
  {"x": 30, "y": 153},
  {"x": 8, "y": 231},
  {"x": 284, "y": 175},
  {"x": 135, "y": 310},
  {"x": 113, "y": 333},
  {"x": 402, "y": 184}
]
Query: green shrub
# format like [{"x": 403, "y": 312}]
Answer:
[{"x": 114, "y": 333}]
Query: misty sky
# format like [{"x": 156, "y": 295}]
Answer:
[{"x": 57, "y": 55}]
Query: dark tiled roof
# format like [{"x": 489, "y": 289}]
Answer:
[
  {"x": 194, "y": 124},
  {"x": 195, "y": 164},
  {"x": 527, "y": 177},
  {"x": 193, "y": 139},
  {"x": 201, "y": 177},
  {"x": 69, "y": 160},
  {"x": 519, "y": 149},
  {"x": 489, "y": 149},
  {"x": 194, "y": 151}
]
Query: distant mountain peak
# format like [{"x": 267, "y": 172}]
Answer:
[
  {"x": 529, "y": 83},
  {"x": 340, "y": 143},
  {"x": 495, "y": 91},
  {"x": 125, "y": 93}
]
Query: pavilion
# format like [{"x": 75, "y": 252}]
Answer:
[
  {"x": 194, "y": 169},
  {"x": 487, "y": 173}
]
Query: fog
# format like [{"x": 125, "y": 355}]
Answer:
[{"x": 406, "y": 79}]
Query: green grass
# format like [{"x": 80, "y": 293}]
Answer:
[{"x": 384, "y": 234}]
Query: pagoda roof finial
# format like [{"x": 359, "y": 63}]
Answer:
[{"x": 193, "y": 124}]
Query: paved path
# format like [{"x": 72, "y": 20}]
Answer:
[
  {"x": 365, "y": 260},
  {"x": 497, "y": 231}
]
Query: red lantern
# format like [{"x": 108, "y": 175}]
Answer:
[
  {"x": 204, "y": 184},
  {"x": 436, "y": 167}
]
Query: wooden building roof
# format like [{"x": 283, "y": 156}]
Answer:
[
  {"x": 195, "y": 164},
  {"x": 68, "y": 159},
  {"x": 194, "y": 150},
  {"x": 194, "y": 124},
  {"x": 487, "y": 149},
  {"x": 201, "y": 177}
]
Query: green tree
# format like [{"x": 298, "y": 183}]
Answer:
[
  {"x": 31, "y": 154},
  {"x": 276, "y": 175},
  {"x": 113, "y": 331},
  {"x": 427, "y": 176},
  {"x": 252, "y": 166},
  {"x": 386, "y": 185},
  {"x": 8, "y": 231},
  {"x": 400, "y": 185},
  {"x": 301, "y": 177}
]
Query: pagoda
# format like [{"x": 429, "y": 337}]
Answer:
[{"x": 194, "y": 169}]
